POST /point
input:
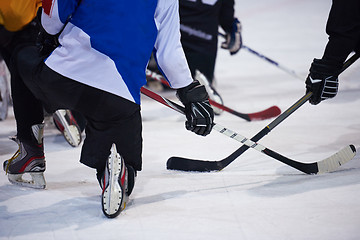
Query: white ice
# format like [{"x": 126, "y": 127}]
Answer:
[{"x": 255, "y": 197}]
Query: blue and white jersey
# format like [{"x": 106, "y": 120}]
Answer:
[{"x": 107, "y": 44}]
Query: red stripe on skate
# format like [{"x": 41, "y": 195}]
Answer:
[
  {"x": 22, "y": 169},
  {"x": 59, "y": 125},
  {"x": 123, "y": 177},
  {"x": 103, "y": 188}
]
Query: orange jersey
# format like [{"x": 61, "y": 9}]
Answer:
[{"x": 15, "y": 14}]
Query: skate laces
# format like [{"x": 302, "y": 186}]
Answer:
[
  {"x": 8, "y": 162},
  {"x": 16, "y": 154}
]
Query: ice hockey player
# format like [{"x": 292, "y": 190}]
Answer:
[
  {"x": 98, "y": 70},
  {"x": 200, "y": 21},
  {"x": 343, "y": 28},
  {"x": 18, "y": 27}
]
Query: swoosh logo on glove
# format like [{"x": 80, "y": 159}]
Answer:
[{"x": 314, "y": 80}]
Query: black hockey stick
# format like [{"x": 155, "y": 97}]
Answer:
[
  {"x": 178, "y": 163},
  {"x": 282, "y": 67},
  {"x": 326, "y": 165},
  {"x": 270, "y": 112}
]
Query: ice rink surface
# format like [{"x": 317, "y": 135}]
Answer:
[{"x": 255, "y": 197}]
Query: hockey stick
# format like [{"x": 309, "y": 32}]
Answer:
[
  {"x": 327, "y": 165},
  {"x": 270, "y": 112},
  {"x": 289, "y": 71},
  {"x": 261, "y": 115},
  {"x": 178, "y": 163}
]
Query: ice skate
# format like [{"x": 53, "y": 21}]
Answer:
[
  {"x": 116, "y": 183},
  {"x": 29, "y": 158},
  {"x": 213, "y": 94},
  {"x": 68, "y": 126}
]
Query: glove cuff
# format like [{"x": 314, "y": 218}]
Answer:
[
  {"x": 325, "y": 66},
  {"x": 194, "y": 92},
  {"x": 236, "y": 26}
]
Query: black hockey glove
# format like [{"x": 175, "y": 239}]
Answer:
[
  {"x": 199, "y": 113},
  {"x": 46, "y": 43},
  {"x": 233, "y": 39},
  {"x": 322, "y": 80}
]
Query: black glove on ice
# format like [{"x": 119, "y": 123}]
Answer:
[
  {"x": 199, "y": 113},
  {"x": 322, "y": 80}
]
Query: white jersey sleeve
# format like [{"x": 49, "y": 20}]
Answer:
[
  {"x": 168, "y": 51},
  {"x": 54, "y": 20}
]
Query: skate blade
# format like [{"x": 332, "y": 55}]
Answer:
[
  {"x": 113, "y": 200},
  {"x": 71, "y": 133},
  {"x": 37, "y": 180}
]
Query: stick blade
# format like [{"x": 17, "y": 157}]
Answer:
[
  {"x": 265, "y": 114},
  {"x": 189, "y": 165},
  {"x": 333, "y": 162}
]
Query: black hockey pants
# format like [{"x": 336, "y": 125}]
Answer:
[
  {"x": 9, "y": 43},
  {"x": 110, "y": 118}
]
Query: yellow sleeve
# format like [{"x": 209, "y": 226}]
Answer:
[
  {"x": 15, "y": 14},
  {"x": 1, "y": 19}
]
